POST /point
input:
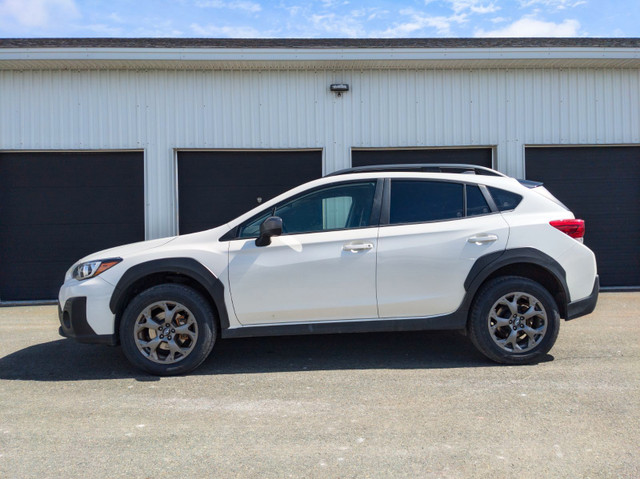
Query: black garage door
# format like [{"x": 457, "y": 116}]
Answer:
[
  {"x": 56, "y": 208},
  {"x": 602, "y": 186},
  {"x": 217, "y": 186},
  {"x": 472, "y": 156}
]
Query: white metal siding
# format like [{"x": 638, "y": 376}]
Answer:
[{"x": 161, "y": 111}]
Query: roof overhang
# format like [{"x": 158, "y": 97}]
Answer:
[{"x": 256, "y": 56}]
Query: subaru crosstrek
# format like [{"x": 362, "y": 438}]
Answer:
[{"x": 385, "y": 248}]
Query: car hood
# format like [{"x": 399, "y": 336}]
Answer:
[{"x": 127, "y": 249}]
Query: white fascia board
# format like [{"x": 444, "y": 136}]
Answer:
[{"x": 313, "y": 54}]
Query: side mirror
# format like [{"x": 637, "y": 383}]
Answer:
[{"x": 272, "y": 226}]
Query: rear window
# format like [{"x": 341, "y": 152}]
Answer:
[{"x": 505, "y": 200}]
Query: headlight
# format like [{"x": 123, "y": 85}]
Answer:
[{"x": 91, "y": 269}]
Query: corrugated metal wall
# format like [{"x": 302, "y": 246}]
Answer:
[{"x": 161, "y": 111}]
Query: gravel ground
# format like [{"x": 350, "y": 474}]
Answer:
[{"x": 369, "y": 405}]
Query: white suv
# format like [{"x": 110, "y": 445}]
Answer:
[{"x": 384, "y": 248}]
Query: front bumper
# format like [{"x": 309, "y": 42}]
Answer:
[
  {"x": 586, "y": 305},
  {"x": 73, "y": 323}
]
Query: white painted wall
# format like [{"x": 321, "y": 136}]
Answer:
[{"x": 160, "y": 111}]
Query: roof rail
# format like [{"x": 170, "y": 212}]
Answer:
[{"x": 422, "y": 167}]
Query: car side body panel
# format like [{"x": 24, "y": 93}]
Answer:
[
  {"x": 422, "y": 267},
  {"x": 304, "y": 277},
  {"x": 576, "y": 259}
]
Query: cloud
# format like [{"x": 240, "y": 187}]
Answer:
[
  {"x": 38, "y": 13},
  {"x": 339, "y": 25},
  {"x": 334, "y": 3},
  {"x": 225, "y": 31},
  {"x": 103, "y": 30},
  {"x": 114, "y": 17},
  {"x": 247, "y": 6},
  {"x": 473, "y": 6},
  {"x": 532, "y": 27},
  {"x": 307, "y": 20},
  {"x": 421, "y": 22},
  {"x": 148, "y": 26},
  {"x": 552, "y": 4}
]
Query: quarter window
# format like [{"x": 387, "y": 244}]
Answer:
[
  {"x": 252, "y": 228},
  {"x": 505, "y": 200}
]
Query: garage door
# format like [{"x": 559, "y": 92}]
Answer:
[
  {"x": 471, "y": 156},
  {"x": 217, "y": 186},
  {"x": 602, "y": 186},
  {"x": 56, "y": 208}
]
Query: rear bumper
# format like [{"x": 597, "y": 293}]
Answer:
[
  {"x": 73, "y": 323},
  {"x": 584, "y": 306}
]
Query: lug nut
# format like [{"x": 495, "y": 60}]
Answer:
[
  {"x": 173, "y": 330},
  {"x": 511, "y": 321},
  {"x": 514, "y": 328},
  {"x": 169, "y": 337},
  {"x": 162, "y": 336}
]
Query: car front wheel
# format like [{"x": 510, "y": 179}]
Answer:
[
  {"x": 167, "y": 330},
  {"x": 514, "y": 320}
]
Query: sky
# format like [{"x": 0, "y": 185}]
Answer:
[{"x": 319, "y": 18}]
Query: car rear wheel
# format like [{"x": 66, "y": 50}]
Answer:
[
  {"x": 167, "y": 330},
  {"x": 514, "y": 320}
]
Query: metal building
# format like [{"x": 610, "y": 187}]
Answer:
[{"x": 109, "y": 141}]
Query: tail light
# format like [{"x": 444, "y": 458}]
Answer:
[{"x": 574, "y": 228}]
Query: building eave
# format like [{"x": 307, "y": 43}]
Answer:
[{"x": 16, "y": 55}]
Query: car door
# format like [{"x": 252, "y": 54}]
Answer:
[
  {"x": 431, "y": 234},
  {"x": 322, "y": 267}
]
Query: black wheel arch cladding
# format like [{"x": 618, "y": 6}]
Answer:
[{"x": 188, "y": 267}]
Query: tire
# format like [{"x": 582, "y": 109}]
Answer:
[
  {"x": 167, "y": 348},
  {"x": 514, "y": 320}
]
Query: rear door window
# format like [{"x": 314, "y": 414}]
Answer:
[
  {"x": 476, "y": 204},
  {"x": 416, "y": 201}
]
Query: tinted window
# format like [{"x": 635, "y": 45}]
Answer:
[
  {"x": 476, "y": 204},
  {"x": 420, "y": 201},
  {"x": 505, "y": 200},
  {"x": 252, "y": 228},
  {"x": 334, "y": 207}
]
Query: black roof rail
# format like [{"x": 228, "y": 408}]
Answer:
[{"x": 422, "y": 167}]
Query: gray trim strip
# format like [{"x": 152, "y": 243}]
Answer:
[{"x": 455, "y": 320}]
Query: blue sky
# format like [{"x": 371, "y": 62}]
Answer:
[{"x": 318, "y": 18}]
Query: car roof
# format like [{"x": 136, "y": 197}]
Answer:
[{"x": 421, "y": 168}]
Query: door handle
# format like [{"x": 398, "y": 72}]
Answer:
[
  {"x": 482, "y": 239},
  {"x": 355, "y": 247}
]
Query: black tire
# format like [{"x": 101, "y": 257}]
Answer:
[
  {"x": 524, "y": 325},
  {"x": 169, "y": 353}
]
